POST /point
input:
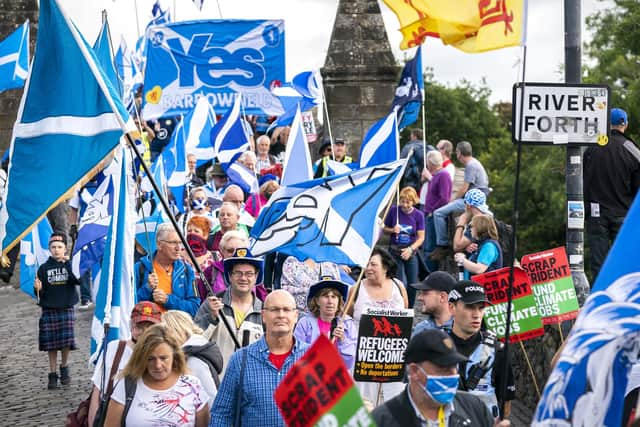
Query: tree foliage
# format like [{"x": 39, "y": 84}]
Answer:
[
  {"x": 462, "y": 112},
  {"x": 614, "y": 53}
]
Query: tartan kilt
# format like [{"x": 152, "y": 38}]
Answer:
[{"x": 56, "y": 329}]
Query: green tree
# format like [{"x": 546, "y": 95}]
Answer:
[
  {"x": 614, "y": 53},
  {"x": 462, "y": 112}
]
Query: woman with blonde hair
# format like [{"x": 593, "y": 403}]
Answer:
[
  {"x": 204, "y": 358},
  {"x": 405, "y": 224},
  {"x": 154, "y": 387},
  {"x": 488, "y": 256}
]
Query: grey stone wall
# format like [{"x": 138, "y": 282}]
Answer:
[
  {"x": 12, "y": 14},
  {"x": 360, "y": 73}
]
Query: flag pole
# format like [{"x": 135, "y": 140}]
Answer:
[
  {"x": 135, "y": 6},
  {"x": 326, "y": 112},
  {"x": 505, "y": 371},
  {"x": 187, "y": 248}
]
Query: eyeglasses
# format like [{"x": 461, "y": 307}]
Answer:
[
  {"x": 285, "y": 310},
  {"x": 247, "y": 274},
  {"x": 172, "y": 242}
]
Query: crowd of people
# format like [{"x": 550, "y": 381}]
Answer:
[{"x": 211, "y": 350}]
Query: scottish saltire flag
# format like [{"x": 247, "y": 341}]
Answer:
[
  {"x": 242, "y": 176},
  {"x": 297, "y": 160},
  {"x": 14, "y": 58},
  {"x": 328, "y": 219},
  {"x": 381, "y": 143},
  {"x": 34, "y": 251},
  {"x": 198, "y": 3},
  {"x": 218, "y": 59},
  {"x": 128, "y": 72},
  {"x": 198, "y": 125},
  {"x": 174, "y": 163},
  {"x": 338, "y": 168},
  {"x": 104, "y": 53},
  {"x": 151, "y": 214},
  {"x": 70, "y": 119},
  {"x": 410, "y": 92},
  {"x": 229, "y": 136},
  {"x": 94, "y": 223},
  {"x": 159, "y": 16},
  {"x": 587, "y": 385},
  {"x": 303, "y": 93},
  {"x": 309, "y": 84},
  {"x": 114, "y": 296}
]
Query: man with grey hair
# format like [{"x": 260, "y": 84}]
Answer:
[
  {"x": 164, "y": 277},
  {"x": 474, "y": 177}
]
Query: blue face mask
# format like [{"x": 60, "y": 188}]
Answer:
[{"x": 441, "y": 389}]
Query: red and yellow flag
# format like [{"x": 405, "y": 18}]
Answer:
[{"x": 469, "y": 25}]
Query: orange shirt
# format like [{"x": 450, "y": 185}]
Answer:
[{"x": 164, "y": 278}]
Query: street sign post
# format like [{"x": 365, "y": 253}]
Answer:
[{"x": 561, "y": 114}]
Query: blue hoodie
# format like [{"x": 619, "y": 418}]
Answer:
[{"x": 184, "y": 291}]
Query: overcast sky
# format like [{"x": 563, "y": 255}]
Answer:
[{"x": 308, "y": 25}]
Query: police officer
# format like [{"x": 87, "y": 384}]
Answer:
[
  {"x": 339, "y": 155},
  {"x": 482, "y": 375}
]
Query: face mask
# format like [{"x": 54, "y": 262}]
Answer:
[
  {"x": 441, "y": 389},
  {"x": 199, "y": 204}
]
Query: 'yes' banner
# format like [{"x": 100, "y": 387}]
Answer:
[{"x": 216, "y": 59}]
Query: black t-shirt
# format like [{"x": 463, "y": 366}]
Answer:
[
  {"x": 58, "y": 284},
  {"x": 468, "y": 346}
]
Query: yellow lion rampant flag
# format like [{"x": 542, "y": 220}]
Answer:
[{"x": 469, "y": 25}]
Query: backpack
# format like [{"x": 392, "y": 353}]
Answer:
[
  {"x": 195, "y": 351},
  {"x": 505, "y": 233}
]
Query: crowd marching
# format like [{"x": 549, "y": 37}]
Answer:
[{"x": 215, "y": 328}]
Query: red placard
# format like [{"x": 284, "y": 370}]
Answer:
[{"x": 313, "y": 385}]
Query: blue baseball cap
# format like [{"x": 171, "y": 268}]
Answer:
[{"x": 618, "y": 117}]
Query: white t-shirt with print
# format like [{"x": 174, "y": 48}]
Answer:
[
  {"x": 176, "y": 406},
  {"x": 112, "y": 349}
]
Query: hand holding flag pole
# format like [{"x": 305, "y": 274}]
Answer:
[{"x": 185, "y": 244}]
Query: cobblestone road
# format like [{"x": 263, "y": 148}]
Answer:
[{"x": 24, "y": 398}]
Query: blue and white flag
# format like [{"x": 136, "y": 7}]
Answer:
[
  {"x": 410, "y": 92},
  {"x": 14, "y": 58},
  {"x": 229, "y": 136},
  {"x": 159, "y": 16},
  {"x": 218, "y": 59},
  {"x": 198, "y": 125},
  {"x": 297, "y": 160},
  {"x": 303, "y": 93},
  {"x": 174, "y": 163},
  {"x": 104, "y": 53},
  {"x": 34, "y": 251},
  {"x": 151, "y": 214},
  {"x": 128, "y": 72},
  {"x": 309, "y": 84},
  {"x": 381, "y": 143},
  {"x": 338, "y": 168},
  {"x": 587, "y": 385},
  {"x": 94, "y": 222},
  {"x": 242, "y": 176},
  {"x": 114, "y": 296},
  {"x": 70, "y": 119},
  {"x": 328, "y": 219}
]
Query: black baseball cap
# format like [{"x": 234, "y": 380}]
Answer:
[
  {"x": 469, "y": 292},
  {"x": 438, "y": 281},
  {"x": 435, "y": 346}
]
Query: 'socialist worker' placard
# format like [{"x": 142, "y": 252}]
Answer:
[
  {"x": 318, "y": 391},
  {"x": 553, "y": 288},
  {"x": 525, "y": 319},
  {"x": 382, "y": 340}
]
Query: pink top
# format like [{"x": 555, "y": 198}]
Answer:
[{"x": 255, "y": 203}]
